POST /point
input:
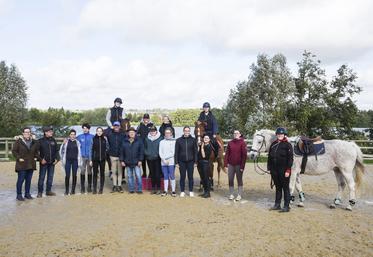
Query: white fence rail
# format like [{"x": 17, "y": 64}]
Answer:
[{"x": 366, "y": 147}]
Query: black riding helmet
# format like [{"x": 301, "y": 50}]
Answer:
[
  {"x": 118, "y": 100},
  {"x": 206, "y": 105},
  {"x": 281, "y": 130}
]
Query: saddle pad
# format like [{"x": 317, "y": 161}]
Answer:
[{"x": 318, "y": 149}]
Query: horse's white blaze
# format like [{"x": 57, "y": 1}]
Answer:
[{"x": 342, "y": 157}]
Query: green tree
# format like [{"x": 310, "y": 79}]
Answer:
[{"x": 13, "y": 100}]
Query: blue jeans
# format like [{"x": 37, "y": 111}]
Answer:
[
  {"x": 24, "y": 175},
  {"x": 71, "y": 165},
  {"x": 131, "y": 172},
  {"x": 46, "y": 169}
]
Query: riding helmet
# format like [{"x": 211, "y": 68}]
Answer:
[
  {"x": 118, "y": 100},
  {"x": 206, "y": 105},
  {"x": 281, "y": 130}
]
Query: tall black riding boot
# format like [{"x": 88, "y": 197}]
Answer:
[
  {"x": 67, "y": 182},
  {"x": 89, "y": 183},
  {"x": 82, "y": 183},
  {"x": 73, "y": 185}
]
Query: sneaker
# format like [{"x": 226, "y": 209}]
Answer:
[
  {"x": 182, "y": 194},
  {"x": 120, "y": 189},
  {"x": 40, "y": 195},
  {"x": 20, "y": 198},
  {"x": 231, "y": 197},
  {"x": 285, "y": 209},
  {"x": 29, "y": 197},
  {"x": 238, "y": 198},
  {"x": 191, "y": 194},
  {"x": 173, "y": 194},
  {"x": 153, "y": 192},
  {"x": 164, "y": 193},
  {"x": 139, "y": 192},
  {"x": 50, "y": 193},
  {"x": 100, "y": 192},
  {"x": 158, "y": 192},
  {"x": 132, "y": 192}
]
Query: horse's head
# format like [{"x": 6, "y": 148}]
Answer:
[
  {"x": 125, "y": 124},
  {"x": 262, "y": 140},
  {"x": 199, "y": 130}
]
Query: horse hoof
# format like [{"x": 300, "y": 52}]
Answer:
[
  {"x": 300, "y": 204},
  {"x": 337, "y": 202},
  {"x": 332, "y": 206},
  {"x": 349, "y": 208}
]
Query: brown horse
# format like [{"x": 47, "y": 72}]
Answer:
[{"x": 199, "y": 132}]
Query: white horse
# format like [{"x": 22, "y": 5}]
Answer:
[{"x": 343, "y": 157}]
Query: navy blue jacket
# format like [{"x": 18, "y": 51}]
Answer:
[
  {"x": 115, "y": 140},
  {"x": 212, "y": 125},
  {"x": 132, "y": 153}
]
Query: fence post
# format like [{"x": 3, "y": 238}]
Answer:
[{"x": 6, "y": 149}]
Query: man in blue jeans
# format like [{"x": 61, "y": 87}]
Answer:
[
  {"x": 48, "y": 151},
  {"x": 131, "y": 156}
]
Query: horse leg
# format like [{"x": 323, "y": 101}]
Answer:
[
  {"x": 292, "y": 186},
  {"x": 298, "y": 186},
  {"x": 341, "y": 186},
  {"x": 347, "y": 173}
]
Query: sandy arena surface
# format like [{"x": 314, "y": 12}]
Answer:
[{"x": 148, "y": 225}]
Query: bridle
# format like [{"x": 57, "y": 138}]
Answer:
[{"x": 257, "y": 168}]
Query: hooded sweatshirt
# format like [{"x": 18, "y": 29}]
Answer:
[
  {"x": 152, "y": 146},
  {"x": 167, "y": 151}
]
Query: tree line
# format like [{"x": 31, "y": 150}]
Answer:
[{"x": 306, "y": 103}]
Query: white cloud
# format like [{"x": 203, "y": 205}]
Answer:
[
  {"x": 82, "y": 84},
  {"x": 331, "y": 28}
]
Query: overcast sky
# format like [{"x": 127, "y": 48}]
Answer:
[{"x": 175, "y": 53}]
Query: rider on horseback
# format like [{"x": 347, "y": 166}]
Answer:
[
  {"x": 115, "y": 113},
  {"x": 206, "y": 116}
]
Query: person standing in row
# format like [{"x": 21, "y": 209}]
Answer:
[
  {"x": 167, "y": 123},
  {"x": 280, "y": 161},
  {"x": 167, "y": 154},
  {"x": 151, "y": 150},
  {"x": 71, "y": 160},
  {"x": 48, "y": 151},
  {"x": 131, "y": 154},
  {"x": 205, "y": 150},
  {"x": 85, "y": 141},
  {"x": 99, "y": 149},
  {"x": 142, "y": 133},
  {"x": 25, "y": 151},
  {"x": 116, "y": 139},
  {"x": 234, "y": 162},
  {"x": 186, "y": 152}
]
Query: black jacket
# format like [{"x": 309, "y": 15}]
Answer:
[
  {"x": 48, "y": 149},
  {"x": 132, "y": 153},
  {"x": 186, "y": 149},
  {"x": 143, "y": 130},
  {"x": 208, "y": 151},
  {"x": 280, "y": 156},
  {"x": 212, "y": 125},
  {"x": 100, "y": 147},
  {"x": 164, "y": 126}
]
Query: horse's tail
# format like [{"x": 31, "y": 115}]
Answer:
[{"x": 359, "y": 166}]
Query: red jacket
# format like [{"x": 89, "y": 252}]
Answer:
[{"x": 236, "y": 153}]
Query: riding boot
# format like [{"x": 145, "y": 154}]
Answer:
[
  {"x": 82, "y": 183},
  {"x": 94, "y": 184},
  {"x": 102, "y": 181},
  {"x": 89, "y": 183},
  {"x": 73, "y": 185},
  {"x": 67, "y": 182}
]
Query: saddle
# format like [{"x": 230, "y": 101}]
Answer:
[{"x": 309, "y": 147}]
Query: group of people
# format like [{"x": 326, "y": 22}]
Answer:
[{"x": 133, "y": 151}]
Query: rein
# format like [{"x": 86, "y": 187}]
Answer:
[{"x": 257, "y": 168}]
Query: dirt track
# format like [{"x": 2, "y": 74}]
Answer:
[{"x": 148, "y": 225}]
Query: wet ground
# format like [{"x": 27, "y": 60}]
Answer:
[{"x": 147, "y": 225}]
